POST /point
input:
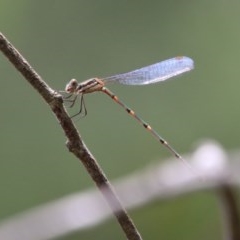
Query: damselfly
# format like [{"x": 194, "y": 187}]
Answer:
[{"x": 147, "y": 75}]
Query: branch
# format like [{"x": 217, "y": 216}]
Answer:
[
  {"x": 155, "y": 182},
  {"x": 230, "y": 211},
  {"x": 74, "y": 142}
]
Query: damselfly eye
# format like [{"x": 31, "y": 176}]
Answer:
[{"x": 71, "y": 86}]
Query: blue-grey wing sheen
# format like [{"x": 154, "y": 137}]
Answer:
[{"x": 154, "y": 73}]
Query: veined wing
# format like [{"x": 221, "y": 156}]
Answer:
[{"x": 154, "y": 73}]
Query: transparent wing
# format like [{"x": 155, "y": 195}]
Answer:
[{"x": 154, "y": 73}]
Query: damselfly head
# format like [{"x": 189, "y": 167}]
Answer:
[{"x": 71, "y": 87}]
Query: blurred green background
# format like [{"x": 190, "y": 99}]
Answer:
[{"x": 84, "y": 39}]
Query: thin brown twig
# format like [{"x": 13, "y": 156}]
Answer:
[
  {"x": 74, "y": 141},
  {"x": 230, "y": 211}
]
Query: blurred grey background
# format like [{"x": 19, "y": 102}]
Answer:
[{"x": 84, "y": 39}]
